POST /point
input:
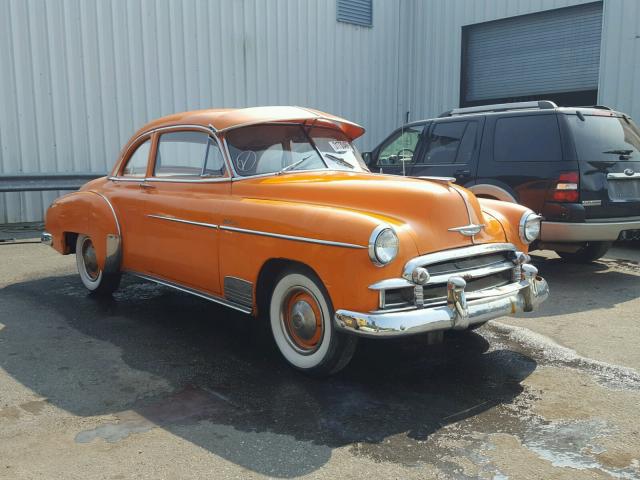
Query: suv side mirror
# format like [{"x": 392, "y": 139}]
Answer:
[{"x": 366, "y": 156}]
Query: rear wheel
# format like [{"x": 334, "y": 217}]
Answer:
[
  {"x": 93, "y": 278},
  {"x": 587, "y": 253},
  {"x": 301, "y": 318}
]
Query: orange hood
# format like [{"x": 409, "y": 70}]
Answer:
[{"x": 426, "y": 209}]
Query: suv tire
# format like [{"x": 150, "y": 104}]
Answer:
[{"x": 587, "y": 253}]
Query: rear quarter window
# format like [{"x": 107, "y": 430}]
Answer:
[{"x": 530, "y": 138}]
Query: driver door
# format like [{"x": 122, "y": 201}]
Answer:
[{"x": 396, "y": 154}]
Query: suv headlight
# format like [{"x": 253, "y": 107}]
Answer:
[
  {"x": 529, "y": 227},
  {"x": 383, "y": 245}
]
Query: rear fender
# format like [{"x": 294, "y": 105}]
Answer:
[{"x": 89, "y": 213}]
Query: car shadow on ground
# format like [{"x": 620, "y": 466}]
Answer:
[
  {"x": 574, "y": 287},
  {"x": 152, "y": 357}
]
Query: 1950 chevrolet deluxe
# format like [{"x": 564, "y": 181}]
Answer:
[{"x": 271, "y": 211}]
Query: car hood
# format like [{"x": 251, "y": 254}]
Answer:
[{"x": 427, "y": 209}]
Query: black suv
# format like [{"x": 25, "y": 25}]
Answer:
[{"x": 579, "y": 167}]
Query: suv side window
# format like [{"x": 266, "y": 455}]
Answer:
[
  {"x": 528, "y": 138},
  {"x": 137, "y": 164},
  {"x": 184, "y": 154},
  {"x": 450, "y": 143},
  {"x": 400, "y": 145}
]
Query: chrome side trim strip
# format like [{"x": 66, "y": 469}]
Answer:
[
  {"x": 291, "y": 237},
  {"x": 198, "y": 179},
  {"x": 194, "y": 292},
  {"x": 443, "y": 256},
  {"x": 180, "y": 220}
]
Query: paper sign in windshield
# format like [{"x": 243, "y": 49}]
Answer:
[{"x": 340, "y": 146}]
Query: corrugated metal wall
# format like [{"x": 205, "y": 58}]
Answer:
[{"x": 80, "y": 76}]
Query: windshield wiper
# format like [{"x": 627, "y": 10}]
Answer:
[
  {"x": 293, "y": 165},
  {"x": 624, "y": 154},
  {"x": 339, "y": 160}
]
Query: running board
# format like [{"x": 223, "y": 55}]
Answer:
[{"x": 197, "y": 293}]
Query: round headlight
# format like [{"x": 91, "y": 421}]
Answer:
[
  {"x": 529, "y": 227},
  {"x": 383, "y": 245}
]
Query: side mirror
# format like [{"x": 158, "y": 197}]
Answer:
[{"x": 366, "y": 156}]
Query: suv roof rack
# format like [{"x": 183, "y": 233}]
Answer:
[
  {"x": 601, "y": 107},
  {"x": 501, "y": 107}
]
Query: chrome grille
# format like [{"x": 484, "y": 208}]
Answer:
[{"x": 624, "y": 189}]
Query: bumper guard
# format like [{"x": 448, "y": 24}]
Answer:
[{"x": 461, "y": 310}]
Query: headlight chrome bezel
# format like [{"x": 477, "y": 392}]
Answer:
[
  {"x": 373, "y": 245},
  {"x": 529, "y": 218}
]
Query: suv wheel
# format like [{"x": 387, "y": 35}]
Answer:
[{"x": 587, "y": 253}]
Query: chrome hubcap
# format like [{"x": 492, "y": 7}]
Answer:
[
  {"x": 90, "y": 260},
  {"x": 303, "y": 320}
]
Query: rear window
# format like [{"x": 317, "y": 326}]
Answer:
[
  {"x": 605, "y": 138},
  {"x": 530, "y": 138}
]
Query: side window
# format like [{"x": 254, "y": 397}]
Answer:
[
  {"x": 445, "y": 141},
  {"x": 183, "y": 154},
  {"x": 531, "y": 138},
  {"x": 214, "y": 165},
  {"x": 402, "y": 145},
  {"x": 137, "y": 164}
]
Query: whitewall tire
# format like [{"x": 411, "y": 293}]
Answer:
[
  {"x": 301, "y": 318},
  {"x": 92, "y": 277}
]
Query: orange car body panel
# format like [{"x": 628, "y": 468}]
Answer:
[{"x": 335, "y": 206}]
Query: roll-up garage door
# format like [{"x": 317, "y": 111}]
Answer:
[{"x": 555, "y": 51}]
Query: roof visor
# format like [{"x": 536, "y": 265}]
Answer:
[{"x": 252, "y": 116}]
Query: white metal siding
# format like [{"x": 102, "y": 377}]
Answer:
[
  {"x": 548, "y": 52},
  {"x": 80, "y": 76}
]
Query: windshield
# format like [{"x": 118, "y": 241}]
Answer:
[
  {"x": 274, "y": 148},
  {"x": 605, "y": 138}
]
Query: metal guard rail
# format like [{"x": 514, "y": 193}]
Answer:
[{"x": 45, "y": 182}]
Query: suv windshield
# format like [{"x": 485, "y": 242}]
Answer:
[
  {"x": 605, "y": 138},
  {"x": 278, "y": 148}
]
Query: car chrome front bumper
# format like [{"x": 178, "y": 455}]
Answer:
[
  {"x": 592, "y": 231},
  {"x": 461, "y": 311}
]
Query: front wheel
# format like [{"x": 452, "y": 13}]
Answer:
[
  {"x": 301, "y": 317},
  {"x": 587, "y": 253},
  {"x": 93, "y": 278}
]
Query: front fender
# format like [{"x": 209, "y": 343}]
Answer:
[
  {"x": 346, "y": 270},
  {"x": 509, "y": 215}
]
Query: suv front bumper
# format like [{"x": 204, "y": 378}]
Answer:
[
  {"x": 600, "y": 230},
  {"x": 461, "y": 310}
]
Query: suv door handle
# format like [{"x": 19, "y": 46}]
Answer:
[
  {"x": 146, "y": 185},
  {"x": 462, "y": 173}
]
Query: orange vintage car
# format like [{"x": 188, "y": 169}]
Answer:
[{"x": 271, "y": 211}]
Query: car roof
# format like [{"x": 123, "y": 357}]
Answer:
[{"x": 223, "y": 119}]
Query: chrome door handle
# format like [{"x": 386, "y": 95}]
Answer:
[{"x": 145, "y": 185}]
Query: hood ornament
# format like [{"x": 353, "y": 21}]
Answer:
[{"x": 468, "y": 230}]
